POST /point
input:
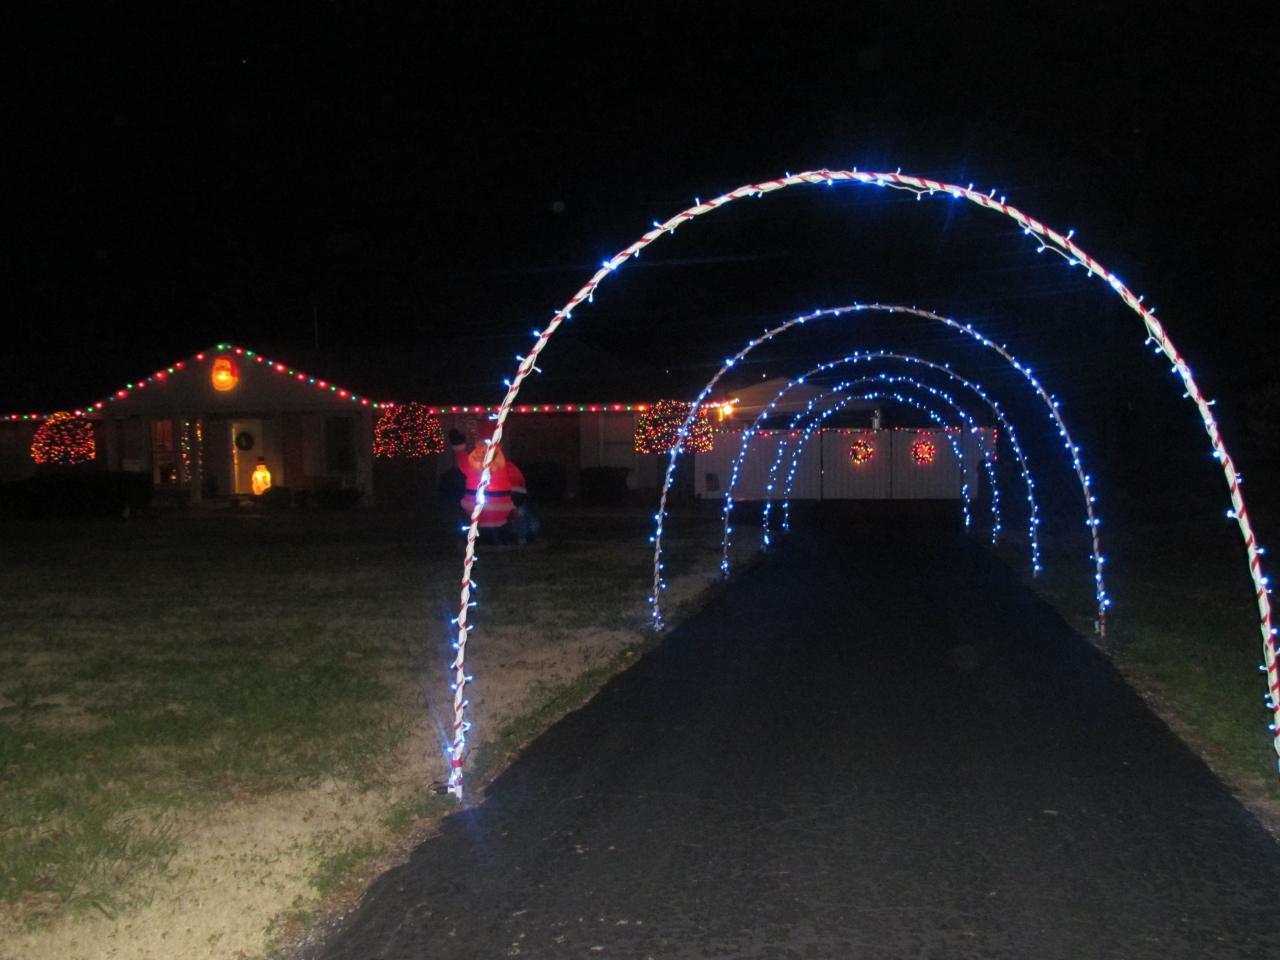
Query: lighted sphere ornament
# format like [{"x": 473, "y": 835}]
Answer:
[
  {"x": 861, "y": 451},
  {"x": 658, "y": 428},
  {"x": 225, "y": 374},
  {"x": 260, "y": 482},
  {"x": 923, "y": 452},
  {"x": 407, "y": 431},
  {"x": 63, "y": 439}
]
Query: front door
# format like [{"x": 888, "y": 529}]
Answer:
[{"x": 246, "y": 448}]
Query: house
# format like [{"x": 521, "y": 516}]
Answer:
[{"x": 201, "y": 427}]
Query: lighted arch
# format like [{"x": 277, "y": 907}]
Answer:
[
  {"x": 885, "y": 394},
  {"x": 890, "y": 380},
  {"x": 1011, "y": 432},
  {"x": 1049, "y": 239},
  {"x": 996, "y": 410},
  {"x": 1055, "y": 413},
  {"x": 822, "y": 415}
]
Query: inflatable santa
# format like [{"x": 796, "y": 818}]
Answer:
[{"x": 505, "y": 482}]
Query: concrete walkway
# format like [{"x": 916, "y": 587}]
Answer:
[{"x": 877, "y": 745}]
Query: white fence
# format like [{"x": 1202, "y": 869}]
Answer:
[{"x": 841, "y": 464}]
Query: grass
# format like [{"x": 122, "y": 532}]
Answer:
[
  {"x": 150, "y": 666},
  {"x": 1184, "y": 632},
  {"x": 158, "y": 671}
]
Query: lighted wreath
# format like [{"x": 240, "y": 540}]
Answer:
[
  {"x": 861, "y": 451},
  {"x": 923, "y": 452}
]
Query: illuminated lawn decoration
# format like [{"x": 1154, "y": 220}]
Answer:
[
  {"x": 260, "y": 481},
  {"x": 874, "y": 394},
  {"x": 407, "y": 431},
  {"x": 64, "y": 439},
  {"x": 224, "y": 374},
  {"x": 1047, "y": 239},
  {"x": 861, "y": 452},
  {"x": 658, "y": 430},
  {"x": 988, "y": 463}
]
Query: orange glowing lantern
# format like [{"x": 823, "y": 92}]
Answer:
[
  {"x": 225, "y": 374},
  {"x": 261, "y": 479}
]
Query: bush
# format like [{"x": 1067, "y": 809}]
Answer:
[
  {"x": 603, "y": 486},
  {"x": 76, "y": 495}
]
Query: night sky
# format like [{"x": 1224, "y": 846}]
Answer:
[{"x": 394, "y": 201}]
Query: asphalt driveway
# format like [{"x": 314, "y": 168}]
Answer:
[{"x": 878, "y": 744}]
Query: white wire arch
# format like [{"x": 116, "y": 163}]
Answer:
[
  {"x": 821, "y": 415},
  {"x": 1055, "y": 414},
  {"x": 1033, "y": 521},
  {"x": 1048, "y": 239},
  {"x": 973, "y": 428},
  {"x": 860, "y": 356}
]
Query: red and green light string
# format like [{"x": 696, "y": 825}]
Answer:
[{"x": 1047, "y": 238}]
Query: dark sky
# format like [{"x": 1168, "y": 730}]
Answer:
[{"x": 394, "y": 200}]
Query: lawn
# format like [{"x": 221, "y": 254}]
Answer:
[
  {"x": 212, "y": 723},
  {"x": 1184, "y": 631},
  {"x": 210, "y": 720}
]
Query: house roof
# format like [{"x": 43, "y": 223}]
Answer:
[
  {"x": 179, "y": 368},
  {"x": 175, "y": 371}
]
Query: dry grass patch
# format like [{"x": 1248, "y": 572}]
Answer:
[{"x": 210, "y": 723}]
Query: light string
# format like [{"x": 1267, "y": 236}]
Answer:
[
  {"x": 1025, "y": 371},
  {"x": 858, "y": 357},
  {"x": 1033, "y": 512},
  {"x": 805, "y": 434},
  {"x": 781, "y": 453},
  {"x": 975, "y": 430},
  {"x": 1048, "y": 239}
]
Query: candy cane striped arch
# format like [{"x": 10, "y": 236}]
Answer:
[
  {"x": 889, "y": 381},
  {"x": 919, "y": 386},
  {"x": 1025, "y": 371},
  {"x": 1048, "y": 239}
]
